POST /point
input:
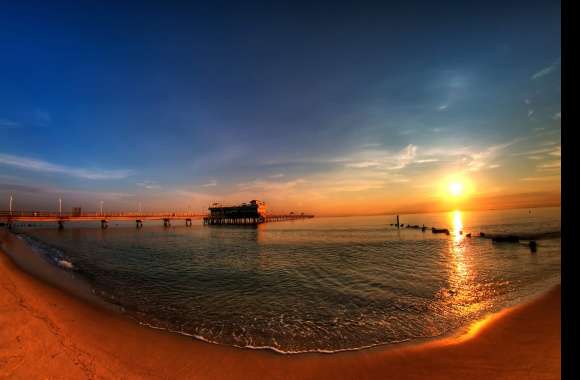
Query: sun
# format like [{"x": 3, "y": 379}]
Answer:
[{"x": 456, "y": 189}]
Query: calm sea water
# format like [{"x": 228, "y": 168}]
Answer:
[{"x": 324, "y": 284}]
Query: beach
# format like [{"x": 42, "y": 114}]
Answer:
[{"x": 48, "y": 333}]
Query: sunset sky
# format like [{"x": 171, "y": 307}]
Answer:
[{"x": 330, "y": 109}]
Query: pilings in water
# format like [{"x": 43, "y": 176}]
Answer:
[
  {"x": 188, "y": 222},
  {"x": 104, "y": 224},
  {"x": 139, "y": 223},
  {"x": 232, "y": 221},
  {"x": 251, "y": 220},
  {"x": 61, "y": 224},
  {"x": 398, "y": 225},
  {"x": 166, "y": 222}
]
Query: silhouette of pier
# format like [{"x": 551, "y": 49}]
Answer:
[
  {"x": 61, "y": 218},
  {"x": 8, "y": 218},
  {"x": 251, "y": 213}
]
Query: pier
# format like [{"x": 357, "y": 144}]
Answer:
[
  {"x": 252, "y": 213},
  {"x": 233, "y": 215},
  {"x": 8, "y": 218}
]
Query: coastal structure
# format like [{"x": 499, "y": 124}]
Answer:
[
  {"x": 251, "y": 213},
  {"x": 9, "y": 218}
]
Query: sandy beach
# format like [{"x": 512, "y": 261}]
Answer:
[{"x": 46, "y": 333}]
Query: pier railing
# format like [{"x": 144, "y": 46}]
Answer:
[
  {"x": 11, "y": 217},
  {"x": 97, "y": 214}
]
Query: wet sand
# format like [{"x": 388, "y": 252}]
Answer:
[{"x": 46, "y": 333}]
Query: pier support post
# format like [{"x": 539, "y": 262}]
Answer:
[
  {"x": 166, "y": 223},
  {"x": 61, "y": 225},
  {"x": 104, "y": 224},
  {"x": 398, "y": 225},
  {"x": 139, "y": 223},
  {"x": 187, "y": 222}
]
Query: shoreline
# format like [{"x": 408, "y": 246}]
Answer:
[{"x": 45, "y": 332}]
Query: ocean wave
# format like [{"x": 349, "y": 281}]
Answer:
[
  {"x": 281, "y": 351},
  {"x": 52, "y": 254}
]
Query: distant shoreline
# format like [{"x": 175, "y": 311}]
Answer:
[{"x": 51, "y": 333}]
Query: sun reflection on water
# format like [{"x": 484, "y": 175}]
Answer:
[{"x": 461, "y": 274}]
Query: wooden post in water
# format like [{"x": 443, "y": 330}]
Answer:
[{"x": 398, "y": 221}]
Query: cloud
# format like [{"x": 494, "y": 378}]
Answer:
[
  {"x": 557, "y": 116},
  {"x": 530, "y": 113},
  {"x": 149, "y": 185},
  {"x": 43, "y": 118},
  {"x": 427, "y": 160},
  {"x": 47, "y": 167},
  {"x": 545, "y": 71},
  {"x": 279, "y": 175},
  {"x": 479, "y": 160},
  {"x": 211, "y": 183},
  {"x": 443, "y": 107},
  {"x": 265, "y": 186},
  {"x": 552, "y": 165},
  {"x": 533, "y": 152},
  {"x": 405, "y": 157},
  {"x": 547, "y": 178},
  {"x": 75, "y": 195},
  {"x": 356, "y": 185},
  {"x": 364, "y": 164},
  {"x": 5, "y": 124}
]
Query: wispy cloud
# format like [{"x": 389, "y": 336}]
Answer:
[
  {"x": 405, "y": 157},
  {"x": 149, "y": 185},
  {"x": 211, "y": 183},
  {"x": 264, "y": 185},
  {"x": 70, "y": 193},
  {"x": 547, "y": 178},
  {"x": 32, "y": 164},
  {"x": 545, "y": 71},
  {"x": 5, "y": 124},
  {"x": 278, "y": 175},
  {"x": 480, "y": 160},
  {"x": 43, "y": 118},
  {"x": 363, "y": 164},
  {"x": 557, "y": 116}
]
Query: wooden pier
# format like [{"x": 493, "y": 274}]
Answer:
[
  {"x": 26, "y": 217},
  {"x": 252, "y": 213},
  {"x": 61, "y": 219}
]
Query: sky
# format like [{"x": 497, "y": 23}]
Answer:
[{"x": 334, "y": 108}]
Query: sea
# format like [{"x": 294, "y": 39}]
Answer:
[{"x": 325, "y": 284}]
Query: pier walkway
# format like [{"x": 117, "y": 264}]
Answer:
[{"x": 9, "y": 218}]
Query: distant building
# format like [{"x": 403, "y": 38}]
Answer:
[{"x": 254, "y": 209}]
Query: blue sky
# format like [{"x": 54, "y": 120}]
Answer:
[{"x": 306, "y": 106}]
